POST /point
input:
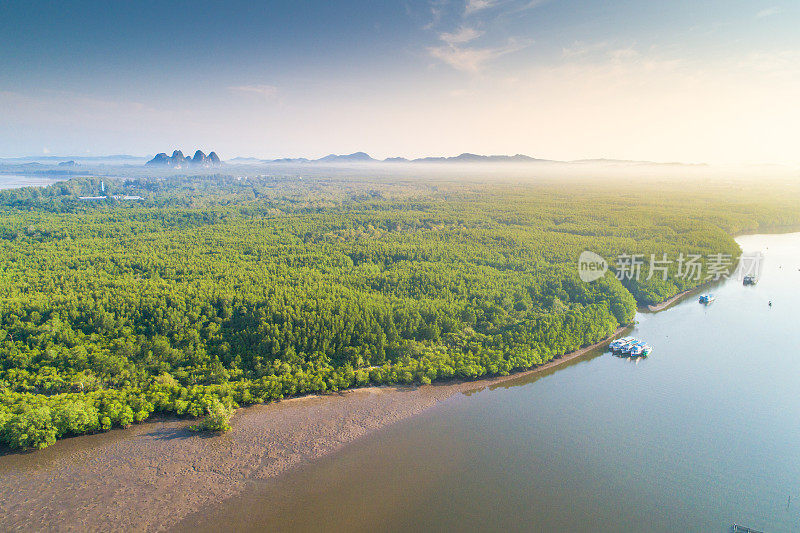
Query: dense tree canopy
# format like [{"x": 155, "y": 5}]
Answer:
[{"x": 217, "y": 292}]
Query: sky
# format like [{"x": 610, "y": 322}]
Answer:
[{"x": 691, "y": 81}]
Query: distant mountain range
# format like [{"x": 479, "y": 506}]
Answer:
[
  {"x": 362, "y": 157},
  {"x": 177, "y": 160},
  {"x": 200, "y": 160},
  {"x": 358, "y": 157},
  {"x": 475, "y": 158}
]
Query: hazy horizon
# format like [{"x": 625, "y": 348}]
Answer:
[
  {"x": 693, "y": 82},
  {"x": 450, "y": 160}
]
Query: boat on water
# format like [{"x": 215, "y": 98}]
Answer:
[
  {"x": 707, "y": 298},
  {"x": 623, "y": 344},
  {"x": 641, "y": 350},
  {"x": 634, "y": 348},
  {"x": 630, "y": 347},
  {"x": 736, "y": 528},
  {"x": 616, "y": 345},
  {"x": 627, "y": 347},
  {"x": 749, "y": 280}
]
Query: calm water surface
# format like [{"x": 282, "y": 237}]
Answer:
[
  {"x": 702, "y": 434},
  {"x": 15, "y": 181}
]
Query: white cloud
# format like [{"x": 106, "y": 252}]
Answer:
[
  {"x": 437, "y": 7},
  {"x": 464, "y": 59},
  {"x": 265, "y": 91},
  {"x": 774, "y": 10},
  {"x": 459, "y": 50},
  {"x": 472, "y": 59},
  {"x": 478, "y": 5},
  {"x": 463, "y": 35},
  {"x": 529, "y": 5}
]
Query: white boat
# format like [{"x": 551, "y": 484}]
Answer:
[
  {"x": 619, "y": 343},
  {"x": 631, "y": 346},
  {"x": 624, "y": 343}
]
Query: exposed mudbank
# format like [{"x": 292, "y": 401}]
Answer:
[{"x": 152, "y": 475}]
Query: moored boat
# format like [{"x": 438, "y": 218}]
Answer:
[
  {"x": 620, "y": 348},
  {"x": 630, "y": 347},
  {"x": 617, "y": 345},
  {"x": 707, "y": 298},
  {"x": 628, "y": 350}
]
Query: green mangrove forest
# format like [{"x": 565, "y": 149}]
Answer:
[{"x": 213, "y": 292}]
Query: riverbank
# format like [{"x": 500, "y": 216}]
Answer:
[
  {"x": 675, "y": 299},
  {"x": 770, "y": 230},
  {"x": 559, "y": 452},
  {"x": 152, "y": 475}
]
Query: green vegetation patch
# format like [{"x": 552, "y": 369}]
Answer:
[{"x": 213, "y": 293}]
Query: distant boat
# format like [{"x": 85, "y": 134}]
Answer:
[
  {"x": 736, "y": 528},
  {"x": 707, "y": 298},
  {"x": 749, "y": 280}
]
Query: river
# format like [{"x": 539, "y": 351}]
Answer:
[
  {"x": 703, "y": 433},
  {"x": 16, "y": 181}
]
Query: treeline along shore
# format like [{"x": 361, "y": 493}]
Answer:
[
  {"x": 219, "y": 290},
  {"x": 152, "y": 476}
]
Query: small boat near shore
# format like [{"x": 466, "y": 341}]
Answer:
[
  {"x": 617, "y": 345},
  {"x": 630, "y": 347},
  {"x": 707, "y": 298},
  {"x": 633, "y": 349}
]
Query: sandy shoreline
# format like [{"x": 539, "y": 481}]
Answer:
[{"x": 152, "y": 475}]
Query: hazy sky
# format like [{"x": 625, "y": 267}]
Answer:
[{"x": 673, "y": 80}]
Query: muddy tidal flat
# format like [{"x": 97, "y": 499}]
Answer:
[{"x": 150, "y": 476}]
